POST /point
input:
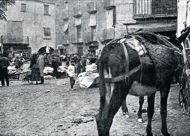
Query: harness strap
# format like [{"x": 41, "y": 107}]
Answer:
[
  {"x": 127, "y": 61},
  {"x": 122, "y": 77}
]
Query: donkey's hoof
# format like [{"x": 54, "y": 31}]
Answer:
[{"x": 140, "y": 120}]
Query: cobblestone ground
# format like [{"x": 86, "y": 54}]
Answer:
[{"x": 53, "y": 109}]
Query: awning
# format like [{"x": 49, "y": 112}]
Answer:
[
  {"x": 153, "y": 27},
  {"x": 46, "y": 49},
  {"x": 92, "y": 20},
  {"x": 66, "y": 26},
  {"x": 77, "y": 21},
  {"x": 60, "y": 46}
]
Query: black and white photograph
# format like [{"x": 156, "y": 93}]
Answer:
[{"x": 94, "y": 67}]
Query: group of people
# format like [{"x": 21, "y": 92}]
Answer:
[
  {"x": 37, "y": 66},
  {"x": 76, "y": 66}
]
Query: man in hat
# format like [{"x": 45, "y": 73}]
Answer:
[{"x": 83, "y": 63}]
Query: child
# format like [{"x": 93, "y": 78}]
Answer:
[{"x": 72, "y": 73}]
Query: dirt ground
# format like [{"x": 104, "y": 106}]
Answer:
[{"x": 53, "y": 109}]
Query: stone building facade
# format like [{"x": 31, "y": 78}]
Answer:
[
  {"x": 30, "y": 23},
  {"x": 159, "y": 16},
  {"x": 87, "y": 25},
  {"x": 83, "y": 26}
]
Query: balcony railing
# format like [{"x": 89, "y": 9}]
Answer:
[
  {"x": 155, "y": 8},
  {"x": 15, "y": 40}
]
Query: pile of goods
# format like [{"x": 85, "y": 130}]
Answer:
[{"x": 88, "y": 78}]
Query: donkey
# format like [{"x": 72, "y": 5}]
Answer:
[
  {"x": 140, "y": 64},
  {"x": 177, "y": 42}
]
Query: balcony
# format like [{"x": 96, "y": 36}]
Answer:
[
  {"x": 108, "y": 34},
  {"x": 15, "y": 40},
  {"x": 91, "y": 7},
  {"x": 154, "y": 9},
  {"x": 77, "y": 12}
]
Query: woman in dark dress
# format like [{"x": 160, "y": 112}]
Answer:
[{"x": 35, "y": 74}]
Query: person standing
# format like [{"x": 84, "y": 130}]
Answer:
[
  {"x": 4, "y": 63},
  {"x": 83, "y": 63},
  {"x": 40, "y": 62},
  {"x": 72, "y": 73},
  {"x": 55, "y": 64},
  {"x": 35, "y": 72}
]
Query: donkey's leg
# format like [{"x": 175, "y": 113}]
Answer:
[
  {"x": 141, "y": 101},
  {"x": 150, "y": 113},
  {"x": 163, "y": 110},
  {"x": 105, "y": 118},
  {"x": 3, "y": 80},
  {"x": 124, "y": 108}
]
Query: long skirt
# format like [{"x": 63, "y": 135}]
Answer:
[{"x": 35, "y": 74}]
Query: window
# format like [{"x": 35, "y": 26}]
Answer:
[
  {"x": 79, "y": 33},
  {"x": 155, "y": 7},
  {"x": 46, "y": 9},
  {"x": 164, "y": 7},
  {"x": 47, "y": 32},
  {"x": 110, "y": 18},
  {"x": 23, "y": 7},
  {"x": 66, "y": 27},
  {"x": 93, "y": 32}
]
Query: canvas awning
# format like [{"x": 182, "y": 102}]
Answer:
[
  {"x": 66, "y": 26},
  {"x": 92, "y": 20},
  {"x": 78, "y": 21},
  {"x": 60, "y": 46},
  {"x": 46, "y": 49}
]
